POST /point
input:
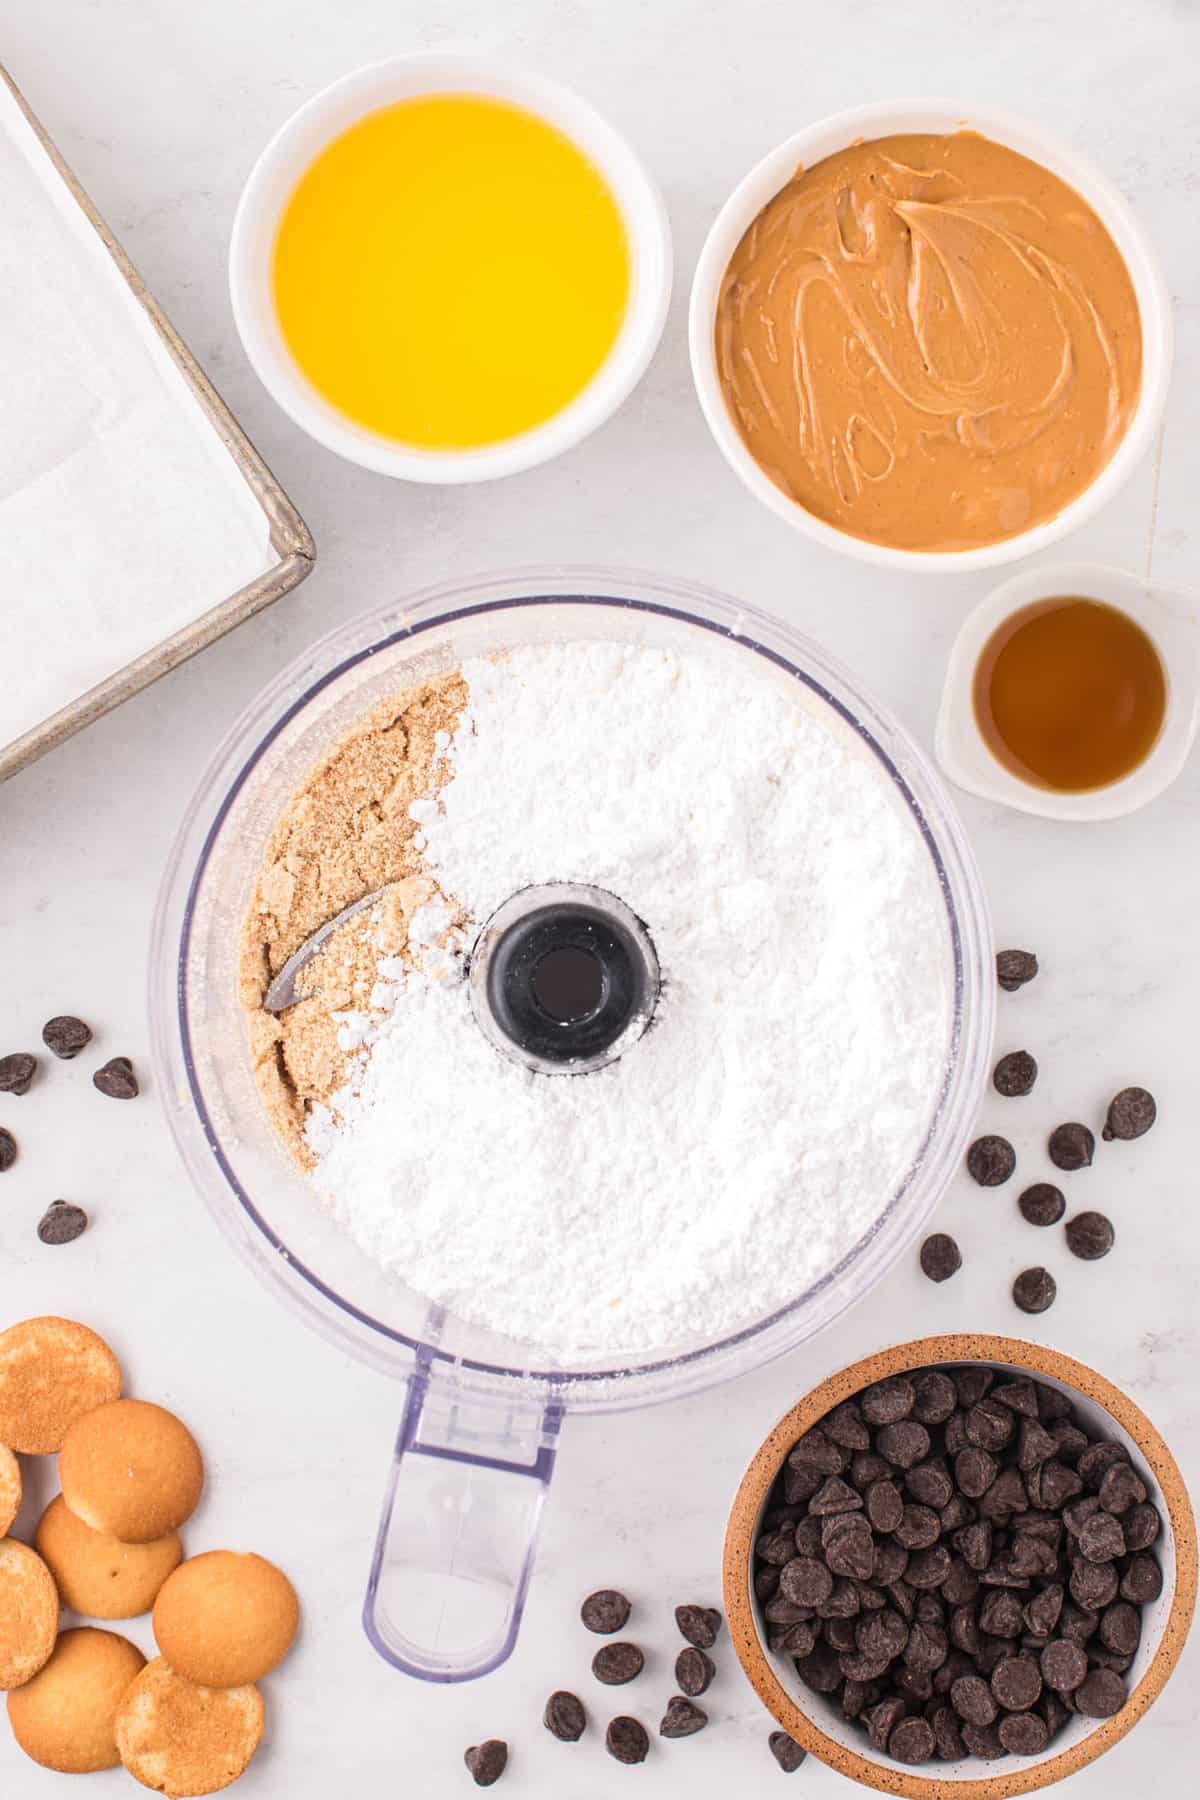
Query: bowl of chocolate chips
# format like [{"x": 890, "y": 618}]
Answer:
[{"x": 965, "y": 1564}]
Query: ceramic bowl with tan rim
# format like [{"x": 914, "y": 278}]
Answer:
[
  {"x": 818, "y": 1724},
  {"x": 885, "y": 119}
]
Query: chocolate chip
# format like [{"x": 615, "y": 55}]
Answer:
[
  {"x": 1016, "y": 1683},
  {"x": 1142, "y": 1581},
  {"x": 1042, "y": 1612},
  {"x": 786, "y": 1751},
  {"x": 911, "y": 1741},
  {"x": 1034, "y": 1290},
  {"x": 947, "y": 1736},
  {"x": 1063, "y": 1665},
  {"x": 62, "y": 1223},
  {"x": 487, "y": 1761},
  {"x": 991, "y": 1160},
  {"x": 975, "y": 1470},
  {"x": 929, "y": 1482},
  {"x": 1071, "y": 1146},
  {"x": 850, "y": 1548},
  {"x": 694, "y": 1671},
  {"x": 934, "y": 1397},
  {"x": 834, "y": 1496},
  {"x": 1023, "y": 1734},
  {"x": 66, "y": 1035},
  {"x": 972, "y": 1700},
  {"x": 1098, "y": 1459},
  {"x": 1090, "y": 1236},
  {"x": 883, "y": 1718},
  {"x": 891, "y": 1560},
  {"x": 971, "y": 1383},
  {"x": 1101, "y": 1538},
  {"x": 983, "y": 1741},
  {"x": 1121, "y": 1628},
  {"x": 1015, "y": 1074},
  {"x": 615, "y": 1664},
  {"x": 817, "y": 1451},
  {"x": 1001, "y": 1615},
  {"x": 8, "y": 1149},
  {"x": 990, "y": 1426},
  {"x": 626, "y": 1739},
  {"x": 17, "y": 1072},
  {"x": 117, "y": 1079},
  {"x": 605, "y": 1611},
  {"x": 885, "y": 1507},
  {"x": 682, "y": 1719},
  {"x": 1014, "y": 968},
  {"x": 699, "y": 1625},
  {"x": 919, "y": 1527},
  {"x": 1142, "y": 1527},
  {"x": 1101, "y": 1695},
  {"x": 800, "y": 1482},
  {"x": 887, "y": 1402},
  {"x": 1131, "y": 1113},
  {"x": 820, "y": 1670},
  {"x": 845, "y": 1426},
  {"x": 564, "y": 1717},
  {"x": 1093, "y": 1584},
  {"x": 904, "y": 1444},
  {"x": 1042, "y": 1204},
  {"x": 940, "y": 1256},
  {"x": 1120, "y": 1491},
  {"x": 928, "y": 1568},
  {"x": 805, "y": 1581},
  {"x": 882, "y": 1635}
]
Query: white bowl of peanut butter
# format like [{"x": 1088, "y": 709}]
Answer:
[{"x": 929, "y": 336}]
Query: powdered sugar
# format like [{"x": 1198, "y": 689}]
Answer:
[{"x": 753, "y": 1136}]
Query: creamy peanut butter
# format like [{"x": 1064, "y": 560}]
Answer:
[{"x": 929, "y": 341}]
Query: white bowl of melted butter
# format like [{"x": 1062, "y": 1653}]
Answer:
[{"x": 929, "y": 336}]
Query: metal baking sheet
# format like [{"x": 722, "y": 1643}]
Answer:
[{"x": 289, "y": 538}]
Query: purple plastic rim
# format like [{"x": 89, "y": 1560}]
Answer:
[{"x": 559, "y": 1380}]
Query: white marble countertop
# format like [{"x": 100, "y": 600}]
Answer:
[{"x": 161, "y": 109}]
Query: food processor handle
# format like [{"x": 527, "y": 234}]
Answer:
[{"x": 460, "y": 1519}]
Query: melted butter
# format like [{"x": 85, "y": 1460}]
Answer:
[
  {"x": 451, "y": 271},
  {"x": 929, "y": 341}
]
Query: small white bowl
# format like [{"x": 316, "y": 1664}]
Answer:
[
  {"x": 331, "y": 112},
  {"x": 1169, "y": 619},
  {"x": 882, "y": 119}
]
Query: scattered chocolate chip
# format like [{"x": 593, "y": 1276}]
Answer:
[
  {"x": 1015, "y": 1074},
  {"x": 1071, "y": 1146},
  {"x": 786, "y": 1751},
  {"x": 1101, "y": 1695},
  {"x": 564, "y": 1717},
  {"x": 605, "y": 1611},
  {"x": 682, "y": 1719},
  {"x": 626, "y": 1739},
  {"x": 8, "y": 1149},
  {"x": 1131, "y": 1113},
  {"x": 1014, "y": 968},
  {"x": 991, "y": 1160},
  {"x": 487, "y": 1761},
  {"x": 17, "y": 1072},
  {"x": 62, "y": 1223},
  {"x": 1090, "y": 1236},
  {"x": 1034, "y": 1290},
  {"x": 66, "y": 1035},
  {"x": 694, "y": 1671},
  {"x": 940, "y": 1256},
  {"x": 615, "y": 1664},
  {"x": 699, "y": 1625},
  {"x": 1042, "y": 1204},
  {"x": 117, "y": 1079}
]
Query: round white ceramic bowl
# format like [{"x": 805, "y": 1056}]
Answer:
[
  {"x": 881, "y": 120},
  {"x": 331, "y": 112},
  {"x": 1170, "y": 620}
]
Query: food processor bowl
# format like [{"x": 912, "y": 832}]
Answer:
[{"x": 480, "y": 1420}]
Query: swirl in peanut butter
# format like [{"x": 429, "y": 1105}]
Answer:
[{"x": 929, "y": 341}]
